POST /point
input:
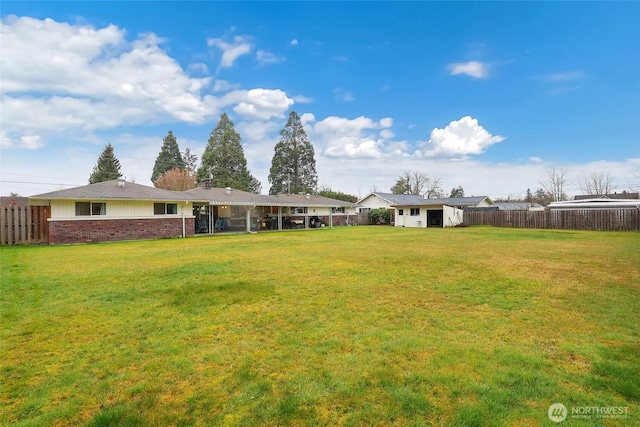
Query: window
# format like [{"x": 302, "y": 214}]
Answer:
[
  {"x": 400, "y": 212},
  {"x": 165, "y": 208},
  {"x": 415, "y": 212},
  {"x": 91, "y": 208},
  {"x": 339, "y": 209},
  {"x": 299, "y": 210}
]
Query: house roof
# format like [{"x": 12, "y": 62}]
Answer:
[
  {"x": 395, "y": 199},
  {"x": 449, "y": 201},
  {"x": 115, "y": 190},
  {"x": 597, "y": 203},
  {"x": 312, "y": 200},
  {"x": 623, "y": 195},
  {"x": 221, "y": 196},
  {"x": 516, "y": 206}
]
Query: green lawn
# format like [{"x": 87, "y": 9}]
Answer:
[{"x": 346, "y": 326}]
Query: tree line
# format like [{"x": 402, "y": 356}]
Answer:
[
  {"x": 223, "y": 163},
  {"x": 293, "y": 169}
]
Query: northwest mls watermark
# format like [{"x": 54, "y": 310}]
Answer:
[{"x": 558, "y": 412}]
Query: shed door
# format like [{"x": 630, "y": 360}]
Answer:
[{"x": 434, "y": 218}]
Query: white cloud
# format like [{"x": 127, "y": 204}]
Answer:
[
  {"x": 360, "y": 137},
  {"x": 294, "y": 42},
  {"x": 570, "y": 76},
  {"x": 263, "y": 104},
  {"x": 307, "y": 118},
  {"x": 76, "y": 78},
  {"x": 199, "y": 67},
  {"x": 241, "y": 45},
  {"x": 475, "y": 69},
  {"x": 265, "y": 57},
  {"x": 224, "y": 85},
  {"x": 343, "y": 95},
  {"x": 302, "y": 99},
  {"x": 459, "y": 139},
  {"x": 386, "y": 134}
]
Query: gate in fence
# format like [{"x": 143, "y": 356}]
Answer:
[{"x": 24, "y": 225}]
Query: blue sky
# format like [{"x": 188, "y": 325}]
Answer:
[{"x": 486, "y": 95}]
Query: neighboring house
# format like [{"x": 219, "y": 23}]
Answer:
[
  {"x": 618, "y": 196},
  {"x": 465, "y": 202},
  {"x": 116, "y": 210},
  {"x": 597, "y": 203},
  {"x": 386, "y": 201},
  {"x": 427, "y": 213}
]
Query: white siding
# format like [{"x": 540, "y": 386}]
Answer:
[
  {"x": 452, "y": 216},
  {"x": 116, "y": 209},
  {"x": 374, "y": 202}
]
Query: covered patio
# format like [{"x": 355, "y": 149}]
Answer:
[{"x": 230, "y": 210}]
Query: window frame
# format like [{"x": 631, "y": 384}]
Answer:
[
  {"x": 167, "y": 208},
  {"x": 414, "y": 212},
  {"x": 90, "y": 209}
]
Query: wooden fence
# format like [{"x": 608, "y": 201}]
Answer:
[
  {"x": 24, "y": 225},
  {"x": 578, "y": 219}
]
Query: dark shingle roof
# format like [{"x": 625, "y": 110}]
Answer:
[
  {"x": 449, "y": 201},
  {"x": 397, "y": 199},
  {"x": 220, "y": 196},
  {"x": 113, "y": 190}
]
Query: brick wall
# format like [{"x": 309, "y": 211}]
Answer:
[{"x": 111, "y": 230}]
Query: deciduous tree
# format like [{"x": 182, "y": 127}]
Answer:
[
  {"x": 597, "y": 184},
  {"x": 293, "y": 166},
  {"x": 176, "y": 179},
  {"x": 107, "y": 168},
  {"x": 555, "y": 183},
  {"x": 419, "y": 184}
]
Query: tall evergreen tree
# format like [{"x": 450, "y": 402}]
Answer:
[
  {"x": 168, "y": 158},
  {"x": 224, "y": 158},
  {"x": 107, "y": 168},
  {"x": 293, "y": 167}
]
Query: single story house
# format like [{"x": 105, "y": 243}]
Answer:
[
  {"x": 116, "y": 210},
  {"x": 119, "y": 210}
]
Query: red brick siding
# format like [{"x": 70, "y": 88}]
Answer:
[{"x": 110, "y": 230}]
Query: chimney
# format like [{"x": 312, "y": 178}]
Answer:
[
  {"x": 228, "y": 191},
  {"x": 121, "y": 182}
]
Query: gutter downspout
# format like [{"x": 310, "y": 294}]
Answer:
[{"x": 184, "y": 228}]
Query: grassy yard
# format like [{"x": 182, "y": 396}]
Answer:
[{"x": 346, "y": 326}]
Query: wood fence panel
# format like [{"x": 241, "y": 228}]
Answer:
[
  {"x": 24, "y": 225},
  {"x": 579, "y": 219}
]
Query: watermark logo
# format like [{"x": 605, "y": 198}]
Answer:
[{"x": 557, "y": 412}]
